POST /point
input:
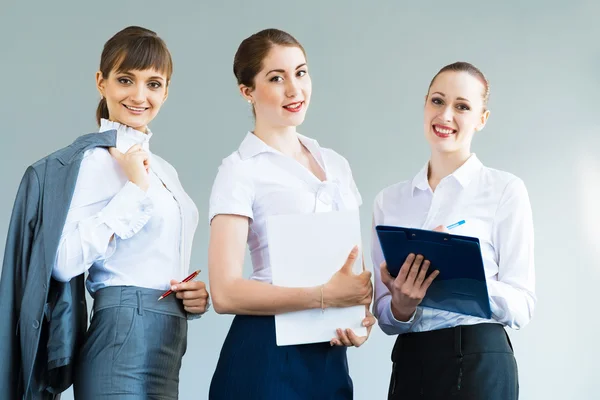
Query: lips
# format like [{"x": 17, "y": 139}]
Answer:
[
  {"x": 294, "y": 107},
  {"x": 135, "y": 110},
  {"x": 443, "y": 131}
]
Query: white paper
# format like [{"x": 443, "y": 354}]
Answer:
[{"x": 306, "y": 250}]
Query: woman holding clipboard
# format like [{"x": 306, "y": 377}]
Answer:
[{"x": 441, "y": 354}]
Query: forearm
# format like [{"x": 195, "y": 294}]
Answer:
[{"x": 250, "y": 297}]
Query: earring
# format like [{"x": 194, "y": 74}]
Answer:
[{"x": 249, "y": 101}]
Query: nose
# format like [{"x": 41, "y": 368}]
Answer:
[
  {"x": 292, "y": 89},
  {"x": 448, "y": 114},
  {"x": 138, "y": 94}
]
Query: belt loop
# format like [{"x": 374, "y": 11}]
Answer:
[{"x": 140, "y": 305}]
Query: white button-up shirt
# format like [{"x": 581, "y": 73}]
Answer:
[
  {"x": 258, "y": 181},
  {"x": 152, "y": 230},
  {"x": 495, "y": 206}
]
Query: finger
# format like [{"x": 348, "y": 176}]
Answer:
[
  {"x": 347, "y": 267},
  {"x": 356, "y": 341},
  {"x": 368, "y": 321},
  {"x": 385, "y": 276},
  {"x": 191, "y": 285},
  {"x": 335, "y": 342},
  {"x": 115, "y": 153},
  {"x": 414, "y": 269},
  {"x": 193, "y": 294},
  {"x": 422, "y": 273},
  {"x": 405, "y": 268},
  {"x": 134, "y": 148},
  {"x": 440, "y": 228},
  {"x": 195, "y": 302},
  {"x": 343, "y": 337},
  {"x": 195, "y": 310},
  {"x": 429, "y": 280}
]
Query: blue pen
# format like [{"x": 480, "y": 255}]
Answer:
[{"x": 454, "y": 225}]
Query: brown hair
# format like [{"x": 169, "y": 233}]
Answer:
[
  {"x": 461, "y": 66},
  {"x": 253, "y": 50},
  {"x": 133, "y": 48}
]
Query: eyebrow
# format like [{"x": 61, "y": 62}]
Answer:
[
  {"x": 281, "y": 71},
  {"x": 443, "y": 95},
  {"x": 155, "y": 77}
]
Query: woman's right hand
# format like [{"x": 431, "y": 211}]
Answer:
[
  {"x": 345, "y": 288},
  {"x": 409, "y": 287},
  {"x": 135, "y": 163}
]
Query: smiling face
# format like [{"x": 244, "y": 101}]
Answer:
[
  {"x": 282, "y": 88},
  {"x": 454, "y": 111},
  {"x": 133, "y": 97}
]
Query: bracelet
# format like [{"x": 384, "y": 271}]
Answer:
[{"x": 322, "y": 301}]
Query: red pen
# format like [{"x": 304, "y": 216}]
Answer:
[{"x": 189, "y": 278}]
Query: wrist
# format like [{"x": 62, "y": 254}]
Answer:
[
  {"x": 325, "y": 300},
  {"x": 142, "y": 185},
  {"x": 402, "y": 313}
]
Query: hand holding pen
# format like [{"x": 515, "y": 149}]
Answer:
[
  {"x": 446, "y": 229},
  {"x": 196, "y": 299}
]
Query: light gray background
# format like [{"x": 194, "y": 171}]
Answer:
[{"x": 371, "y": 63}]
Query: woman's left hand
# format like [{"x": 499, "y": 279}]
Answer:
[
  {"x": 194, "y": 295},
  {"x": 348, "y": 337}
]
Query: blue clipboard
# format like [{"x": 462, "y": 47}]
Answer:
[{"x": 460, "y": 286}]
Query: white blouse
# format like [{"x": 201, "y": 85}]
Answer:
[
  {"x": 258, "y": 181},
  {"x": 496, "y": 208},
  {"x": 121, "y": 234}
]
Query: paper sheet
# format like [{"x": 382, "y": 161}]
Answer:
[{"x": 306, "y": 250}]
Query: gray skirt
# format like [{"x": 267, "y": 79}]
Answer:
[{"x": 134, "y": 346}]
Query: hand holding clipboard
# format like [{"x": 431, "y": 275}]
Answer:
[{"x": 460, "y": 285}]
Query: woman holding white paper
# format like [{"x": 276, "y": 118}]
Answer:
[
  {"x": 277, "y": 171},
  {"x": 440, "y": 354}
]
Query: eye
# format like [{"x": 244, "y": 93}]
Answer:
[
  {"x": 154, "y": 85},
  {"x": 124, "y": 81},
  {"x": 301, "y": 73},
  {"x": 276, "y": 79},
  {"x": 463, "y": 107},
  {"x": 437, "y": 101}
]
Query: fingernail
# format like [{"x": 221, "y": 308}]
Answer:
[{"x": 173, "y": 287}]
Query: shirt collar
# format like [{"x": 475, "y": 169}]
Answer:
[
  {"x": 126, "y": 135},
  {"x": 252, "y": 145},
  {"x": 463, "y": 175}
]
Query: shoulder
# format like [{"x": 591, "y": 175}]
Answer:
[
  {"x": 234, "y": 166},
  {"x": 333, "y": 157},
  {"x": 502, "y": 181}
]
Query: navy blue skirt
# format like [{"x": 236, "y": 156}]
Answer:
[{"x": 252, "y": 367}]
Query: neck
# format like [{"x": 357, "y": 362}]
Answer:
[
  {"x": 443, "y": 164},
  {"x": 283, "y": 138}
]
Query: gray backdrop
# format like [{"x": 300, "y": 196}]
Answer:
[{"x": 371, "y": 63}]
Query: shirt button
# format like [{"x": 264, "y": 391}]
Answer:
[{"x": 36, "y": 324}]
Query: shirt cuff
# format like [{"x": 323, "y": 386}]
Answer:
[
  {"x": 128, "y": 212},
  {"x": 396, "y": 322}
]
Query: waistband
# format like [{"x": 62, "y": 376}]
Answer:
[
  {"x": 143, "y": 299},
  {"x": 458, "y": 341}
]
